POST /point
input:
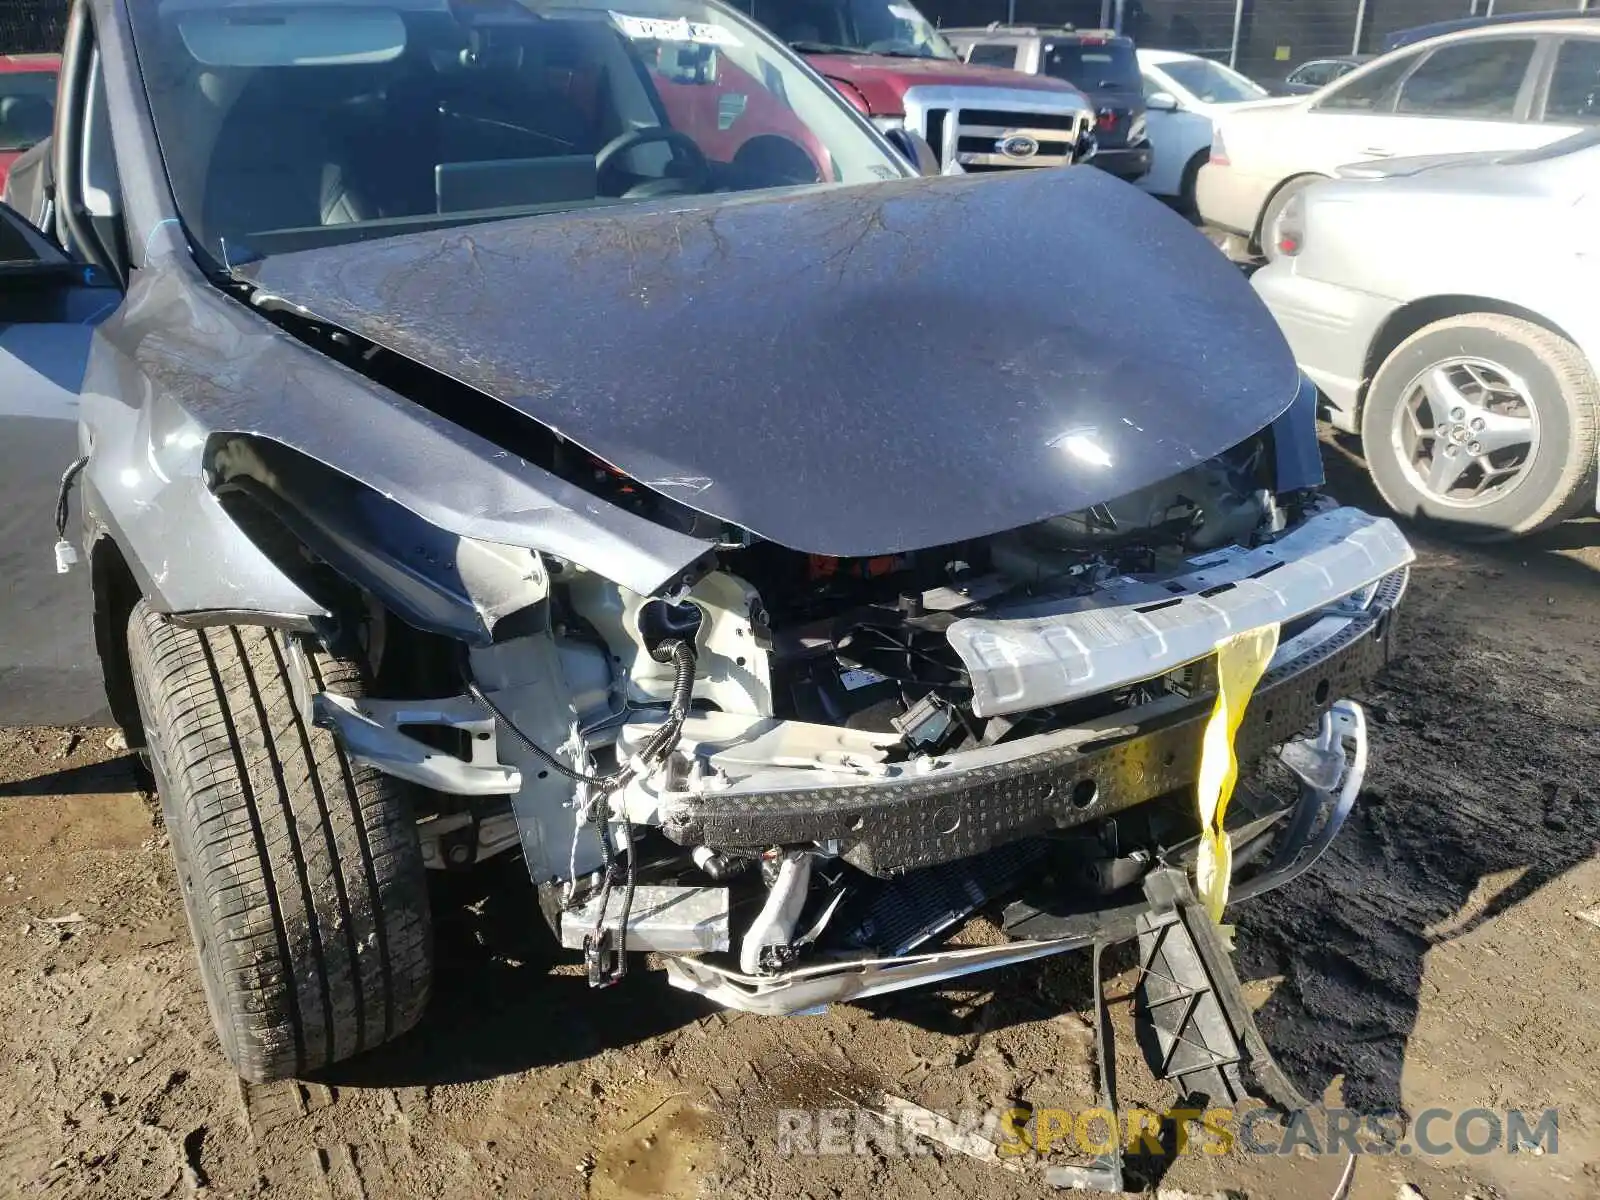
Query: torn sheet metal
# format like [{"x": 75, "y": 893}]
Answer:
[{"x": 180, "y": 363}]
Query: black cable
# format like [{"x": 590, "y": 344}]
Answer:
[
  {"x": 71, "y": 473},
  {"x": 662, "y": 741},
  {"x": 477, "y": 693},
  {"x": 627, "y": 904},
  {"x": 682, "y": 655}
]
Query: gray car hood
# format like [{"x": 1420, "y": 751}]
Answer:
[{"x": 847, "y": 370}]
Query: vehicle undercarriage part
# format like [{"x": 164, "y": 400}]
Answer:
[
  {"x": 668, "y": 919},
  {"x": 772, "y": 932},
  {"x": 454, "y": 841},
  {"x": 373, "y": 732},
  {"x": 1045, "y": 924},
  {"x": 1191, "y": 1017},
  {"x": 1206, "y": 1040}
]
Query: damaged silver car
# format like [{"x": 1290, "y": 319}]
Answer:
[{"x": 485, "y": 450}]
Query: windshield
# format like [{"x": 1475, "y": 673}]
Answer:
[
  {"x": 1094, "y": 66},
  {"x": 850, "y": 27},
  {"x": 1211, "y": 82},
  {"x": 293, "y": 123},
  {"x": 27, "y": 107}
]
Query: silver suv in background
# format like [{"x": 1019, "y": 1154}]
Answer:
[{"x": 1099, "y": 62}]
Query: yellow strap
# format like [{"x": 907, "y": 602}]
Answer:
[{"x": 1241, "y": 661}]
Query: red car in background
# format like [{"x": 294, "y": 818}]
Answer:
[
  {"x": 733, "y": 114},
  {"x": 27, "y": 103}
]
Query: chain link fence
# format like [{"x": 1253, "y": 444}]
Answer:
[{"x": 32, "y": 26}]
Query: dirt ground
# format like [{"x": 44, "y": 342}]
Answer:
[{"x": 1442, "y": 954}]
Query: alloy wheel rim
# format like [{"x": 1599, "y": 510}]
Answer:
[{"x": 1465, "y": 432}]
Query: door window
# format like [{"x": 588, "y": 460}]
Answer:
[
  {"x": 1476, "y": 80},
  {"x": 1373, "y": 91},
  {"x": 1315, "y": 74},
  {"x": 1575, "y": 84},
  {"x": 993, "y": 55},
  {"x": 27, "y": 108}
]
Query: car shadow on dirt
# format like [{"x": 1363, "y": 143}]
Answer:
[
  {"x": 84, "y": 779},
  {"x": 507, "y": 999},
  {"x": 1477, "y": 798}
]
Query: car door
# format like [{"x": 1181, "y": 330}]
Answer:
[
  {"x": 49, "y": 307},
  {"x": 1474, "y": 94},
  {"x": 1348, "y": 118},
  {"x": 1176, "y": 135},
  {"x": 1571, "y": 99},
  {"x": 51, "y": 304}
]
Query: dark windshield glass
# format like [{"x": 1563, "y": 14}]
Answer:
[
  {"x": 287, "y": 123},
  {"x": 850, "y": 26},
  {"x": 27, "y": 107},
  {"x": 1094, "y": 66}
]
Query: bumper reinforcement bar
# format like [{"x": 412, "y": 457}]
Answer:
[
  {"x": 1310, "y": 825},
  {"x": 1087, "y": 773}
]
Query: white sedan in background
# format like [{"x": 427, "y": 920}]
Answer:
[
  {"x": 1446, "y": 308},
  {"x": 1495, "y": 87},
  {"x": 1182, "y": 93}
]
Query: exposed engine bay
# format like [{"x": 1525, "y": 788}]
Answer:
[{"x": 795, "y": 764}]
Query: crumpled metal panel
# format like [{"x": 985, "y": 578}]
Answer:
[
  {"x": 845, "y": 371},
  {"x": 180, "y": 363}
]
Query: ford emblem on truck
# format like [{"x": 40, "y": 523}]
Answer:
[{"x": 1018, "y": 146}]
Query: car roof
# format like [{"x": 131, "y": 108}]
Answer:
[
  {"x": 999, "y": 30},
  {"x": 1156, "y": 57},
  {"x": 1575, "y": 24},
  {"x": 1579, "y": 27},
  {"x": 30, "y": 62},
  {"x": 1401, "y": 38}
]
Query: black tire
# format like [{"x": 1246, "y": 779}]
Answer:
[
  {"x": 1274, "y": 208},
  {"x": 301, "y": 873},
  {"x": 1560, "y": 479}
]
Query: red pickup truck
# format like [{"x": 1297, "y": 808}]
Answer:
[
  {"x": 889, "y": 61},
  {"x": 27, "y": 103}
]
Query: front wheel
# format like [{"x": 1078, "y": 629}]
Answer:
[
  {"x": 301, "y": 873},
  {"x": 1485, "y": 422}
]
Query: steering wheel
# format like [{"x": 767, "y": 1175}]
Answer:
[{"x": 698, "y": 179}]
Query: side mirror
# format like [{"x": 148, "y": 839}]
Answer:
[
  {"x": 1161, "y": 102},
  {"x": 914, "y": 149}
]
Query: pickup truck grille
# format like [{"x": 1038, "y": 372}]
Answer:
[{"x": 986, "y": 129}]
